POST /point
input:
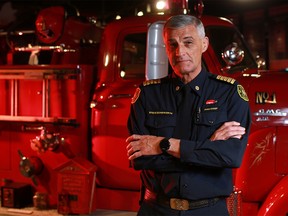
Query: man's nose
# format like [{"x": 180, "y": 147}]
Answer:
[{"x": 180, "y": 50}]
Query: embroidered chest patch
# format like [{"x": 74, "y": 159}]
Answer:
[
  {"x": 242, "y": 93},
  {"x": 136, "y": 95}
]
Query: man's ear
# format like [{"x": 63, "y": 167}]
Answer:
[{"x": 205, "y": 44}]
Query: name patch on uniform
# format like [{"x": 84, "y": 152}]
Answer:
[
  {"x": 242, "y": 93},
  {"x": 136, "y": 95},
  {"x": 160, "y": 113},
  {"x": 210, "y": 109}
]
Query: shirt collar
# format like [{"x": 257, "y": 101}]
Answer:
[{"x": 197, "y": 84}]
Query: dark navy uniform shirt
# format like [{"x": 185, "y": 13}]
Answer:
[{"x": 204, "y": 169}]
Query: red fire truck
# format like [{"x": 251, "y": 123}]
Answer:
[{"x": 65, "y": 92}]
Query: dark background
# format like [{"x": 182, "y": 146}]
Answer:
[{"x": 107, "y": 9}]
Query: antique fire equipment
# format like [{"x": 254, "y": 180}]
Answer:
[
  {"x": 76, "y": 187},
  {"x": 16, "y": 195},
  {"x": 30, "y": 166}
]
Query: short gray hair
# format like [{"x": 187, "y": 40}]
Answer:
[{"x": 182, "y": 20}]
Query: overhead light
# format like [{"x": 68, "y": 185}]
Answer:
[
  {"x": 161, "y": 5},
  {"x": 140, "y": 13},
  {"x": 148, "y": 8}
]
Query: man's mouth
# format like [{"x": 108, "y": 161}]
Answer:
[{"x": 181, "y": 61}]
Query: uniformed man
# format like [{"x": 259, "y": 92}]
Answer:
[{"x": 188, "y": 130}]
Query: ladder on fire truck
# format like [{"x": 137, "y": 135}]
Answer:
[{"x": 50, "y": 80}]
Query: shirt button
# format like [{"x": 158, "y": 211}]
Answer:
[{"x": 197, "y": 117}]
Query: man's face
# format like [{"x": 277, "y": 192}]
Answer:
[{"x": 184, "y": 48}]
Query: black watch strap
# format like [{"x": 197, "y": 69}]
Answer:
[{"x": 165, "y": 145}]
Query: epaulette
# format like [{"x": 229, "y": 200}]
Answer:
[
  {"x": 225, "y": 79},
  {"x": 151, "y": 82}
]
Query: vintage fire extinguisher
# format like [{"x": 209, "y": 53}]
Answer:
[{"x": 30, "y": 166}]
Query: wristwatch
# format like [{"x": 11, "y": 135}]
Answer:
[{"x": 164, "y": 145}]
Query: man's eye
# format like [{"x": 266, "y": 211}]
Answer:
[
  {"x": 172, "y": 45},
  {"x": 188, "y": 43}
]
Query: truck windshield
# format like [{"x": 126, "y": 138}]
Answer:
[
  {"x": 133, "y": 56},
  {"x": 220, "y": 38}
]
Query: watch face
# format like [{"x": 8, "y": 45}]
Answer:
[{"x": 164, "y": 144}]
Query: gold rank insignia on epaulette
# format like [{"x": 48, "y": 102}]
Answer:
[
  {"x": 226, "y": 79},
  {"x": 150, "y": 82}
]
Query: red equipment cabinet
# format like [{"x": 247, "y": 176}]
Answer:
[{"x": 76, "y": 187}]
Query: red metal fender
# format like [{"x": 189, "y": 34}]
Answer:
[{"x": 276, "y": 202}]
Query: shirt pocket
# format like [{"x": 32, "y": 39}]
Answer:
[
  {"x": 161, "y": 124},
  {"x": 207, "y": 122},
  {"x": 211, "y": 118}
]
